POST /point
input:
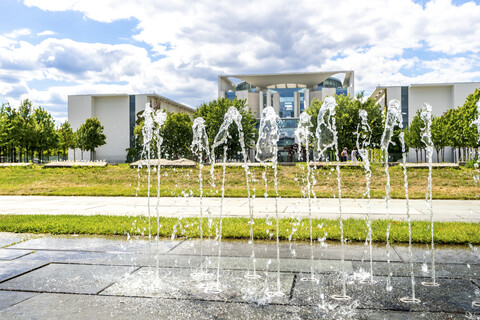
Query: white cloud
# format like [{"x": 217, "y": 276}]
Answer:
[
  {"x": 18, "y": 33},
  {"x": 46, "y": 33},
  {"x": 193, "y": 42}
]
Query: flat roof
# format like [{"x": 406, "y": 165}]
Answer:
[
  {"x": 380, "y": 90},
  {"x": 162, "y": 98},
  {"x": 309, "y": 79}
]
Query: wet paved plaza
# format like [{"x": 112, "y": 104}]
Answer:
[{"x": 75, "y": 277}]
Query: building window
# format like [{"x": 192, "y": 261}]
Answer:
[
  {"x": 404, "y": 102},
  {"x": 132, "y": 120},
  {"x": 230, "y": 95},
  {"x": 287, "y": 100}
]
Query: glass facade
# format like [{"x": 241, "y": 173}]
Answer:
[
  {"x": 404, "y": 102},
  {"x": 287, "y": 137},
  {"x": 132, "y": 120},
  {"x": 287, "y": 100},
  {"x": 330, "y": 83},
  {"x": 245, "y": 86},
  {"x": 230, "y": 95}
]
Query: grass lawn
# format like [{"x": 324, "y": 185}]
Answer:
[
  {"x": 120, "y": 180},
  {"x": 238, "y": 228}
]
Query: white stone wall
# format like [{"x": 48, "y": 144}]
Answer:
[
  {"x": 253, "y": 103},
  {"x": 79, "y": 109},
  {"x": 113, "y": 113}
]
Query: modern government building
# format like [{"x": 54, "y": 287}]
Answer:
[
  {"x": 118, "y": 114},
  {"x": 288, "y": 93}
]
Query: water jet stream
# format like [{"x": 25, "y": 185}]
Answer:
[
  {"x": 267, "y": 150},
  {"x": 326, "y": 133},
  {"x": 394, "y": 119}
]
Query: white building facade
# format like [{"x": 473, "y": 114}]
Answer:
[
  {"x": 441, "y": 96},
  {"x": 118, "y": 114}
]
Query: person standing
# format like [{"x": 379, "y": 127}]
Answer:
[
  {"x": 344, "y": 155},
  {"x": 354, "y": 155}
]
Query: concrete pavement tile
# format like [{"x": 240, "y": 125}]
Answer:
[
  {"x": 7, "y": 238},
  {"x": 10, "y": 298},
  {"x": 82, "y": 257},
  {"x": 452, "y": 296},
  {"x": 264, "y": 249},
  {"x": 74, "y": 243},
  {"x": 443, "y": 254},
  {"x": 153, "y": 259},
  {"x": 10, "y": 254},
  {"x": 407, "y": 315},
  {"x": 9, "y": 269},
  {"x": 286, "y": 265},
  {"x": 457, "y": 271},
  {"x": 60, "y": 306},
  {"x": 68, "y": 278},
  {"x": 183, "y": 284}
]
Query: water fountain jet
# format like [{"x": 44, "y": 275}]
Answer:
[
  {"x": 267, "y": 150},
  {"x": 326, "y": 133}
]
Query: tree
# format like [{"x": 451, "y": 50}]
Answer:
[
  {"x": 440, "y": 136},
  {"x": 66, "y": 138},
  {"x": 45, "y": 135},
  {"x": 347, "y": 119},
  {"x": 90, "y": 135},
  {"x": 413, "y": 134},
  {"x": 177, "y": 135},
  {"x": 25, "y": 127},
  {"x": 8, "y": 132},
  {"x": 214, "y": 113}
]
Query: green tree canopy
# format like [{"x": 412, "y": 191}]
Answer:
[
  {"x": 90, "y": 135},
  {"x": 439, "y": 135},
  {"x": 413, "y": 134},
  {"x": 347, "y": 119},
  {"x": 66, "y": 138},
  {"x": 45, "y": 135},
  {"x": 177, "y": 135},
  {"x": 214, "y": 113}
]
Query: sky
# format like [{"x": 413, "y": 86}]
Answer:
[{"x": 50, "y": 49}]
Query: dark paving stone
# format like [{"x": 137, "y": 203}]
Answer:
[
  {"x": 82, "y": 257},
  {"x": 265, "y": 249},
  {"x": 160, "y": 260},
  {"x": 10, "y": 254},
  {"x": 95, "y": 244},
  {"x": 10, "y": 298},
  {"x": 9, "y": 269},
  {"x": 454, "y": 296},
  {"x": 443, "y": 254},
  {"x": 463, "y": 271},
  {"x": 59, "y": 306},
  {"x": 181, "y": 284},
  {"x": 7, "y": 238},
  {"x": 396, "y": 315},
  {"x": 68, "y": 278},
  {"x": 286, "y": 265}
]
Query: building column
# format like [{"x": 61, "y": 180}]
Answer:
[
  {"x": 269, "y": 99},
  {"x": 296, "y": 104},
  {"x": 306, "y": 99},
  {"x": 276, "y": 103},
  {"x": 260, "y": 104}
]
